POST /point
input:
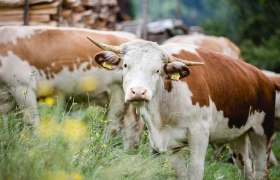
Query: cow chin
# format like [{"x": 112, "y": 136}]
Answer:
[{"x": 137, "y": 103}]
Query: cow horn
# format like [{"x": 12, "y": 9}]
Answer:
[
  {"x": 106, "y": 47},
  {"x": 186, "y": 62}
]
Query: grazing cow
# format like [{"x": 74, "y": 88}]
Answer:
[
  {"x": 227, "y": 47},
  {"x": 223, "y": 101},
  {"x": 39, "y": 61}
]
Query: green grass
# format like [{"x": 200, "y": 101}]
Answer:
[{"x": 70, "y": 146}]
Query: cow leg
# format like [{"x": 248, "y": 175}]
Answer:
[
  {"x": 116, "y": 111},
  {"x": 27, "y": 102},
  {"x": 272, "y": 159},
  {"x": 132, "y": 128},
  {"x": 240, "y": 155},
  {"x": 260, "y": 154},
  {"x": 179, "y": 165},
  {"x": 198, "y": 142}
]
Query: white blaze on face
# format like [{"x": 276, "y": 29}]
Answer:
[{"x": 142, "y": 66}]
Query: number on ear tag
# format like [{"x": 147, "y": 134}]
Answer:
[
  {"x": 107, "y": 65},
  {"x": 175, "y": 76}
]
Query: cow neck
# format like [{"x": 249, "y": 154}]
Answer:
[{"x": 156, "y": 111}]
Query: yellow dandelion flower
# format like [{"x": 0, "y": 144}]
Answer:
[
  {"x": 88, "y": 83},
  {"x": 105, "y": 146},
  {"x": 49, "y": 101},
  {"x": 45, "y": 88},
  {"x": 47, "y": 129},
  {"x": 74, "y": 129},
  {"x": 76, "y": 176}
]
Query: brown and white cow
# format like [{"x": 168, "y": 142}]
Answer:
[
  {"x": 227, "y": 47},
  {"x": 210, "y": 43},
  {"x": 33, "y": 59},
  {"x": 223, "y": 101}
]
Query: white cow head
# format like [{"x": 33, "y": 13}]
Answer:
[{"x": 143, "y": 64}]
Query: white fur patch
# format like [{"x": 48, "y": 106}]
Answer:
[
  {"x": 176, "y": 48},
  {"x": 229, "y": 52},
  {"x": 186, "y": 39},
  {"x": 220, "y": 132},
  {"x": 12, "y": 34},
  {"x": 15, "y": 70}
]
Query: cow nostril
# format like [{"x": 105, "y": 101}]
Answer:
[
  {"x": 132, "y": 91},
  {"x": 144, "y": 92}
]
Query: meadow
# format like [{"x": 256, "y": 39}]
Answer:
[{"x": 68, "y": 145}]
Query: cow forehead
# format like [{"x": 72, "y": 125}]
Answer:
[{"x": 140, "y": 51}]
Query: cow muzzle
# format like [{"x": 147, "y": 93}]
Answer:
[{"x": 138, "y": 96}]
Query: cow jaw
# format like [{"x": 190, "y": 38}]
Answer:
[{"x": 137, "y": 104}]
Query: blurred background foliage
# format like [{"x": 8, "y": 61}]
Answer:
[{"x": 254, "y": 25}]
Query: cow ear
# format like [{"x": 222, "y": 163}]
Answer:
[
  {"x": 107, "y": 59},
  {"x": 176, "y": 70}
]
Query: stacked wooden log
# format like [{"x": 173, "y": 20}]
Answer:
[
  {"x": 95, "y": 14},
  {"x": 40, "y": 12}
]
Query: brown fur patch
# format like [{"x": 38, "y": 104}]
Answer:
[
  {"x": 63, "y": 48},
  {"x": 168, "y": 85}
]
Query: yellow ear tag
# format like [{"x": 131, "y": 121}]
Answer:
[
  {"x": 175, "y": 76},
  {"x": 107, "y": 65}
]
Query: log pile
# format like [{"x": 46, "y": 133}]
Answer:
[
  {"x": 40, "y": 12},
  {"x": 94, "y": 14}
]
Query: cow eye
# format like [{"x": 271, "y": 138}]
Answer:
[
  {"x": 125, "y": 66},
  {"x": 157, "y": 71}
]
